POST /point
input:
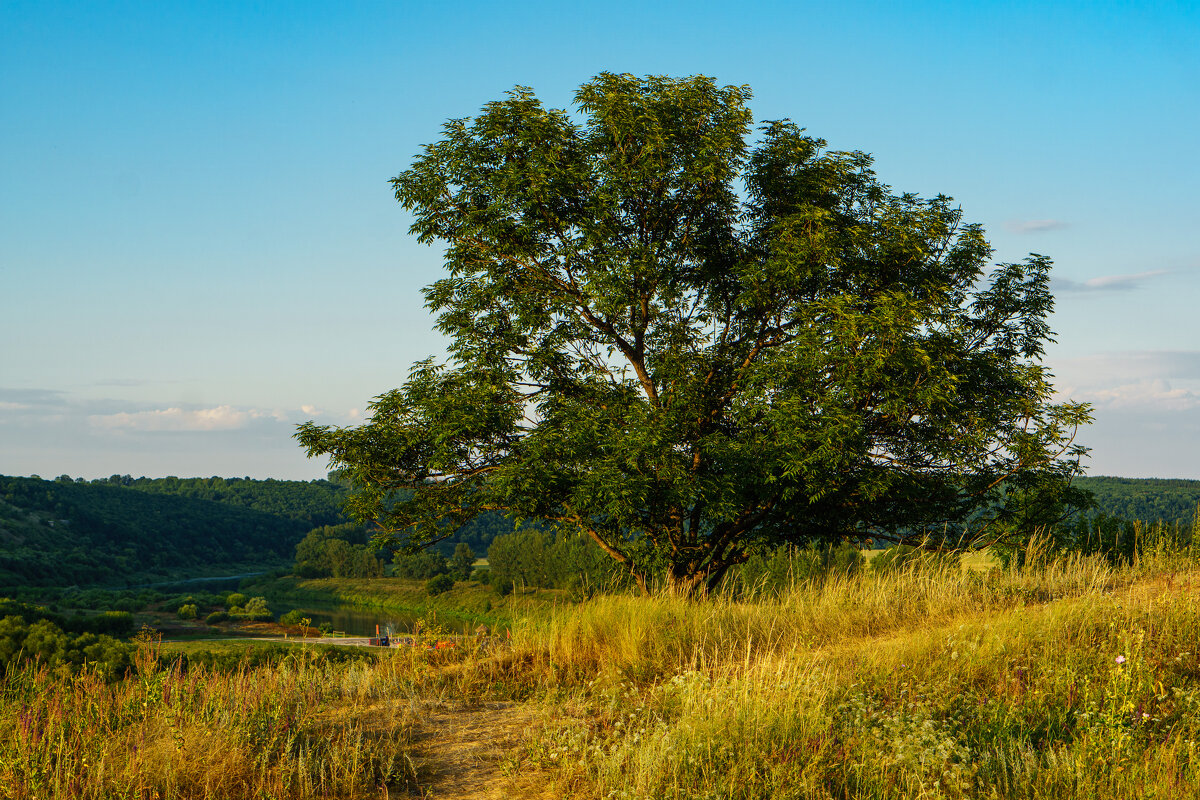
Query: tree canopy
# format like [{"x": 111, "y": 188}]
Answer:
[{"x": 690, "y": 338}]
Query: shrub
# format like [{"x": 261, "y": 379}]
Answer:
[
  {"x": 188, "y": 611},
  {"x": 293, "y": 617},
  {"x": 255, "y": 609},
  {"x": 482, "y": 574},
  {"x": 439, "y": 584},
  {"x": 420, "y": 566},
  {"x": 176, "y": 603},
  {"x": 216, "y": 617},
  {"x": 112, "y": 623},
  {"x": 45, "y": 642},
  {"x": 534, "y": 557},
  {"x": 235, "y": 599}
]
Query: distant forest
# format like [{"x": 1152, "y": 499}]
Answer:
[
  {"x": 124, "y": 530},
  {"x": 69, "y": 532},
  {"x": 1147, "y": 499}
]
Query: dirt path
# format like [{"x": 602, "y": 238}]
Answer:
[{"x": 461, "y": 750}]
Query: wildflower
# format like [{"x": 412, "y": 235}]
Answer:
[{"x": 1120, "y": 659}]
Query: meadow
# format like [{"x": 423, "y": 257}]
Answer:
[{"x": 1063, "y": 677}]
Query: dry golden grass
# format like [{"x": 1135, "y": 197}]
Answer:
[{"x": 1068, "y": 678}]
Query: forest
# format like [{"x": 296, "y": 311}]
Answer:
[
  {"x": 67, "y": 532},
  {"x": 1145, "y": 499}
]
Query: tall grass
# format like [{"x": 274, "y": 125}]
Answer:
[
  {"x": 1063, "y": 678},
  {"x": 662, "y": 635},
  {"x": 290, "y": 730}
]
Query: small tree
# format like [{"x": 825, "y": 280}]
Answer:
[
  {"x": 690, "y": 344},
  {"x": 462, "y": 562}
]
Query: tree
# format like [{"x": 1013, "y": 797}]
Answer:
[
  {"x": 462, "y": 562},
  {"x": 689, "y": 342}
]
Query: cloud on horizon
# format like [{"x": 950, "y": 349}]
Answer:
[
  {"x": 1035, "y": 225},
  {"x": 106, "y": 416},
  {"x": 220, "y": 418},
  {"x": 1149, "y": 380},
  {"x": 51, "y": 432},
  {"x": 1107, "y": 283},
  {"x": 1158, "y": 395}
]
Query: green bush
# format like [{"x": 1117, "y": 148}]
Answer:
[
  {"x": 110, "y": 623},
  {"x": 337, "y": 551},
  {"x": 482, "y": 574},
  {"x": 176, "y": 603},
  {"x": 255, "y": 609},
  {"x": 46, "y": 643},
  {"x": 235, "y": 599},
  {"x": 439, "y": 584},
  {"x": 537, "y": 558},
  {"x": 293, "y": 617},
  {"x": 420, "y": 566},
  {"x": 260, "y": 653},
  {"x": 188, "y": 611},
  {"x": 216, "y": 617}
]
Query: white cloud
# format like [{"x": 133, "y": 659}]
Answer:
[
  {"x": 220, "y": 418},
  {"x": 1035, "y": 225},
  {"x": 1149, "y": 380},
  {"x": 1107, "y": 283},
  {"x": 1157, "y": 395},
  {"x": 310, "y": 410}
]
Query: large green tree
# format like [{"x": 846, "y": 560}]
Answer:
[{"x": 691, "y": 339}]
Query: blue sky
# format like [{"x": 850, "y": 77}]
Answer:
[{"x": 199, "y": 247}]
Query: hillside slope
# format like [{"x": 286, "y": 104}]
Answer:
[
  {"x": 1148, "y": 499},
  {"x": 64, "y": 533}
]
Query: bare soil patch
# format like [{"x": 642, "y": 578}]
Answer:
[{"x": 461, "y": 751}]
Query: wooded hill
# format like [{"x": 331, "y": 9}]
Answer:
[
  {"x": 1166, "y": 500},
  {"x": 122, "y": 530}
]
